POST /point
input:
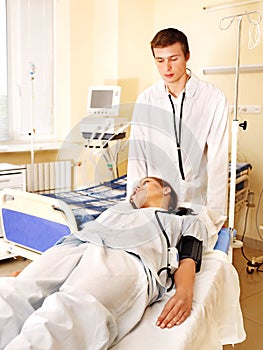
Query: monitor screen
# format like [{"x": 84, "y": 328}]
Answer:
[
  {"x": 104, "y": 100},
  {"x": 101, "y": 99}
]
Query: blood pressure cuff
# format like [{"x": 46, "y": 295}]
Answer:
[{"x": 190, "y": 247}]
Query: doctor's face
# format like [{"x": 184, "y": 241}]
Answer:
[
  {"x": 171, "y": 62},
  {"x": 149, "y": 193}
]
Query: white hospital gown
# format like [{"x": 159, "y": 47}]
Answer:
[
  {"x": 138, "y": 232},
  {"x": 79, "y": 295},
  {"x": 204, "y": 142}
]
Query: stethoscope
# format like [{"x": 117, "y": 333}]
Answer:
[
  {"x": 167, "y": 268},
  {"x": 178, "y": 137}
]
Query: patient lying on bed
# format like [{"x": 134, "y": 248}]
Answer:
[{"x": 92, "y": 288}]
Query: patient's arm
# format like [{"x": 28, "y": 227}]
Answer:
[{"x": 178, "y": 307}]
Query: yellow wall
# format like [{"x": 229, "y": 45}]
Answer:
[
  {"x": 109, "y": 45},
  {"x": 107, "y": 42}
]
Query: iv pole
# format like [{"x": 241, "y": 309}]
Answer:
[
  {"x": 32, "y": 122},
  {"x": 234, "y": 137},
  {"x": 235, "y": 123}
]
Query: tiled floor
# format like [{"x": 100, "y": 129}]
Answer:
[
  {"x": 251, "y": 301},
  {"x": 251, "y": 296}
]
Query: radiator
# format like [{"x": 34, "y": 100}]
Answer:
[{"x": 49, "y": 177}]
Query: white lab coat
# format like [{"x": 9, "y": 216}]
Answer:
[{"x": 204, "y": 143}]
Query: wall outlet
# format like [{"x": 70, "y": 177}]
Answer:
[{"x": 246, "y": 109}]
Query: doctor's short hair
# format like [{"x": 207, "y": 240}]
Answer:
[{"x": 170, "y": 36}]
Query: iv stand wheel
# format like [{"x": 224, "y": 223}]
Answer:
[
  {"x": 250, "y": 269},
  {"x": 255, "y": 263},
  {"x": 252, "y": 266}
]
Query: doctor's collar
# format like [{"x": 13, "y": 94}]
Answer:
[{"x": 168, "y": 91}]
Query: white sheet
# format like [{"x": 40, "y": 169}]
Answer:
[{"x": 215, "y": 319}]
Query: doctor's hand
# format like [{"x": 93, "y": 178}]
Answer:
[{"x": 179, "y": 306}]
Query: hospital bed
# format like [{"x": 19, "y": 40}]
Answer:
[
  {"x": 32, "y": 223},
  {"x": 78, "y": 207}
]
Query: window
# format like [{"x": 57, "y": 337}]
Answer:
[
  {"x": 4, "y": 126},
  {"x": 27, "y": 65}
]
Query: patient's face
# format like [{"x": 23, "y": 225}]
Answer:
[{"x": 149, "y": 193}]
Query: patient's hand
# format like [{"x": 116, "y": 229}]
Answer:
[
  {"x": 176, "y": 310},
  {"x": 178, "y": 307}
]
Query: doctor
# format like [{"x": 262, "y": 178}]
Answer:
[
  {"x": 179, "y": 128},
  {"x": 90, "y": 290}
]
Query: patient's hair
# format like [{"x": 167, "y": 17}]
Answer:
[
  {"x": 173, "y": 195},
  {"x": 170, "y": 36}
]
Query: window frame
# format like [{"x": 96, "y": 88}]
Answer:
[{"x": 30, "y": 89}]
